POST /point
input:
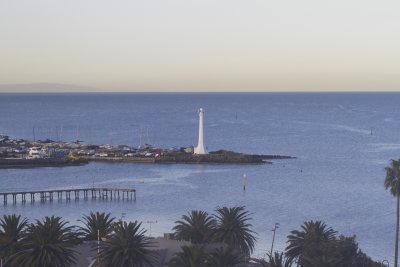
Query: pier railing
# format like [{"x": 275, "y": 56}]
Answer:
[{"x": 72, "y": 193}]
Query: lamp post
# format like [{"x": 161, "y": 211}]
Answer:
[
  {"x": 273, "y": 237},
  {"x": 98, "y": 247},
  {"x": 150, "y": 222}
]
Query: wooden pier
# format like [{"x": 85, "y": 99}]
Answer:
[{"x": 68, "y": 194}]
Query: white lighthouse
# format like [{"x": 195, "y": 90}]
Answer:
[{"x": 200, "y": 149}]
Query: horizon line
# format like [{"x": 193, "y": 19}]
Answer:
[{"x": 203, "y": 92}]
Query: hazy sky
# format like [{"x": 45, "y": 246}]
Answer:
[{"x": 202, "y": 45}]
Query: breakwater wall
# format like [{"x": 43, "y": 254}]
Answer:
[{"x": 11, "y": 163}]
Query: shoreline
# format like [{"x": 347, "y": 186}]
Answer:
[
  {"x": 15, "y": 163},
  {"x": 19, "y": 153}
]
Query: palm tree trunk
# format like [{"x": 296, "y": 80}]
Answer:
[{"x": 396, "y": 245}]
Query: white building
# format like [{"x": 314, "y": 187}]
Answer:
[{"x": 37, "y": 153}]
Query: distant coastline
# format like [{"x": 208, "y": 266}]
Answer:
[{"x": 60, "y": 88}]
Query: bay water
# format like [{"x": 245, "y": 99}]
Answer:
[{"x": 342, "y": 143}]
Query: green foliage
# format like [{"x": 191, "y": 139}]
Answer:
[
  {"x": 97, "y": 225},
  {"x": 279, "y": 260},
  {"x": 200, "y": 256},
  {"x": 224, "y": 257},
  {"x": 190, "y": 256},
  {"x": 234, "y": 230},
  {"x": 127, "y": 246},
  {"x": 392, "y": 180},
  {"x": 12, "y": 229},
  {"x": 50, "y": 242},
  {"x": 316, "y": 245},
  {"x": 309, "y": 242},
  {"x": 47, "y": 243},
  {"x": 196, "y": 227},
  {"x": 392, "y": 183},
  {"x": 229, "y": 226},
  {"x": 362, "y": 260}
]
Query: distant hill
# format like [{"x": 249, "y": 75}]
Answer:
[{"x": 45, "y": 88}]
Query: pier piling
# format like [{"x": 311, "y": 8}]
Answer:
[{"x": 44, "y": 195}]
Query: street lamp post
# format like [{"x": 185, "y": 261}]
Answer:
[
  {"x": 150, "y": 222},
  {"x": 273, "y": 237},
  {"x": 98, "y": 247}
]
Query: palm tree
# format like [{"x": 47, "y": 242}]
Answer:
[
  {"x": 196, "y": 227},
  {"x": 97, "y": 225},
  {"x": 47, "y": 243},
  {"x": 127, "y": 247},
  {"x": 234, "y": 230},
  {"x": 346, "y": 250},
  {"x": 322, "y": 261},
  {"x": 221, "y": 257},
  {"x": 12, "y": 228},
  {"x": 193, "y": 256},
  {"x": 261, "y": 262},
  {"x": 310, "y": 241},
  {"x": 278, "y": 260},
  {"x": 392, "y": 183}
]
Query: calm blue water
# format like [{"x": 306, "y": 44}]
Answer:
[{"x": 337, "y": 176}]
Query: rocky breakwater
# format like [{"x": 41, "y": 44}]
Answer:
[
  {"x": 12, "y": 163},
  {"x": 220, "y": 156}
]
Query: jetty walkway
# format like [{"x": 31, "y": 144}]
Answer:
[{"x": 50, "y": 194}]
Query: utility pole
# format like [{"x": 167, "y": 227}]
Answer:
[{"x": 273, "y": 237}]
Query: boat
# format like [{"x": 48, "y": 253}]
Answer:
[{"x": 35, "y": 153}]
